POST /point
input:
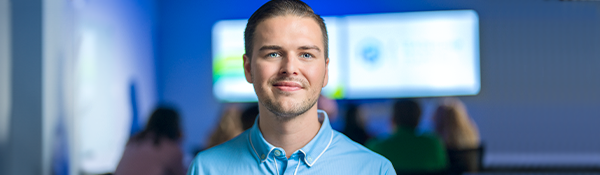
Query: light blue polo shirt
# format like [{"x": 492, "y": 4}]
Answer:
[{"x": 329, "y": 152}]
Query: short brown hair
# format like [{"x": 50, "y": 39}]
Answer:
[{"x": 276, "y": 8}]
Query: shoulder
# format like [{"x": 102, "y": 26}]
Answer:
[
  {"x": 220, "y": 158},
  {"x": 169, "y": 148},
  {"x": 433, "y": 138},
  {"x": 233, "y": 147},
  {"x": 356, "y": 155},
  {"x": 374, "y": 144}
]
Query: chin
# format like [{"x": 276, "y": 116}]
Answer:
[{"x": 288, "y": 105}]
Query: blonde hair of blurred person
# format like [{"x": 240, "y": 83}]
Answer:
[
  {"x": 230, "y": 126},
  {"x": 454, "y": 126}
]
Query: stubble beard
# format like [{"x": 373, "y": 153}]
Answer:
[{"x": 296, "y": 109}]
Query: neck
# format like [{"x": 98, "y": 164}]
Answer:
[{"x": 292, "y": 134}]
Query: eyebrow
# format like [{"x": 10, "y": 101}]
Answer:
[
  {"x": 275, "y": 47},
  {"x": 310, "y": 48},
  {"x": 270, "y": 47}
]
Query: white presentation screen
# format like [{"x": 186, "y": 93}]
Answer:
[{"x": 410, "y": 54}]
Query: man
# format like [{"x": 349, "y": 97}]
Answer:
[
  {"x": 410, "y": 151},
  {"x": 286, "y": 61}
]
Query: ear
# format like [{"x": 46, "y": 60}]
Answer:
[
  {"x": 326, "y": 79},
  {"x": 247, "y": 68}
]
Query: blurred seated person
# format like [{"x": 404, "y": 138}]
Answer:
[
  {"x": 230, "y": 126},
  {"x": 155, "y": 150},
  {"x": 460, "y": 135},
  {"x": 355, "y": 126},
  {"x": 248, "y": 116},
  {"x": 330, "y": 106},
  {"x": 231, "y": 123},
  {"x": 409, "y": 151}
]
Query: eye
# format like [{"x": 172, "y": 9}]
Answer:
[
  {"x": 306, "y": 55},
  {"x": 273, "y": 55}
]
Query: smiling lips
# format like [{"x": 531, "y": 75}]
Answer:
[{"x": 288, "y": 86}]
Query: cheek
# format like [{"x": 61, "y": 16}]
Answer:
[
  {"x": 263, "y": 73},
  {"x": 315, "y": 76}
]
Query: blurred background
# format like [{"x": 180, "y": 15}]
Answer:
[{"x": 79, "y": 77}]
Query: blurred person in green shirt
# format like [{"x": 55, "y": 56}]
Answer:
[{"x": 408, "y": 150}]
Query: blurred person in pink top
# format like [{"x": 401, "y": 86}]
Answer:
[{"x": 156, "y": 150}]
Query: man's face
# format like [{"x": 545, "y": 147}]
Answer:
[{"x": 288, "y": 66}]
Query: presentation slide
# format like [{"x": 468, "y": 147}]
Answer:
[
  {"x": 412, "y": 54},
  {"x": 392, "y": 55}
]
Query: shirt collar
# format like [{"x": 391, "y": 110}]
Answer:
[{"x": 312, "y": 151}]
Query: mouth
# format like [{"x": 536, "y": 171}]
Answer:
[{"x": 288, "y": 86}]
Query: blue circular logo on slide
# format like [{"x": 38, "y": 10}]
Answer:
[{"x": 370, "y": 51}]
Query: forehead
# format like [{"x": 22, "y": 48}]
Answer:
[{"x": 288, "y": 30}]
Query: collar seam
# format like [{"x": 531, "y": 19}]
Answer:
[
  {"x": 250, "y": 139},
  {"x": 260, "y": 160},
  {"x": 267, "y": 156},
  {"x": 314, "y": 161}
]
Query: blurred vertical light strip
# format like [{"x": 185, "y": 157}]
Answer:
[
  {"x": 5, "y": 69},
  {"x": 55, "y": 131},
  {"x": 112, "y": 43}
]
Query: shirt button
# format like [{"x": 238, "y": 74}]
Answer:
[
  {"x": 262, "y": 156},
  {"x": 309, "y": 159},
  {"x": 277, "y": 153}
]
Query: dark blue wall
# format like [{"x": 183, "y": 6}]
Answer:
[
  {"x": 24, "y": 147},
  {"x": 539, "y": 67}
]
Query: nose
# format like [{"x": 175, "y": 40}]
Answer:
[{"x": 289, "y": 66}]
